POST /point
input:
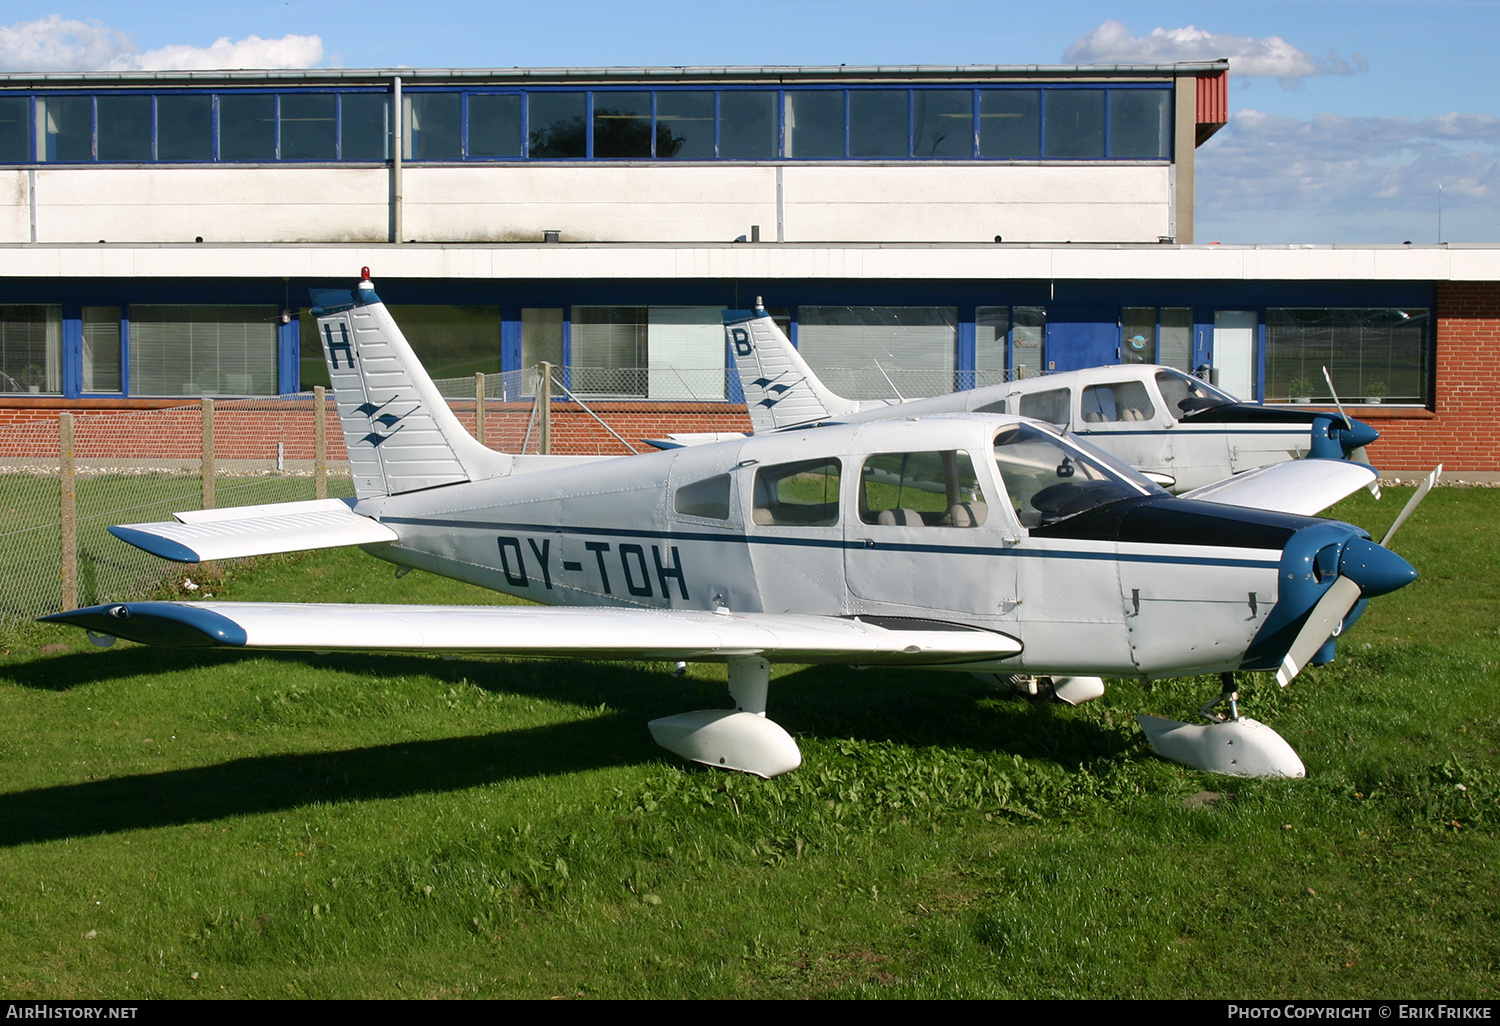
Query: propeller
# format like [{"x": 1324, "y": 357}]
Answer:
[
  {"x": 1365, "y": 570},
  {"x": 1358, "y": 453}
]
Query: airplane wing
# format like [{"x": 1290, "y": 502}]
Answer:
[
  {"x": 1299, "y": 486},
  {"x": 570, "y": 632},
  {"x": 255, "y": 531}
]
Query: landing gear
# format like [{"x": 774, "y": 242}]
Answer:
[
  {"x": 1231, "y": 744},
  {"x": 1070, "y": 690},
  {"x": 738, "y": 739}
]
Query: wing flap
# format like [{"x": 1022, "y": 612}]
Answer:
[
  {"x": 585, "y": 633},
  {"x": 232, "y": 538},
  {"x": 1305, "y": 487}
]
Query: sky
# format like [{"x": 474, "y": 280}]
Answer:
[{"x": 1351, "y": 122}]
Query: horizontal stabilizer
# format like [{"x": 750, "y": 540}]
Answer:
[
  {"x": 586, "y": 633},
  {"x": 221, "y": 534},
  {"x": 1304, "y": 487}
]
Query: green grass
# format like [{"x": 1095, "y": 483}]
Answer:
[{"x": 381, "y": 826}]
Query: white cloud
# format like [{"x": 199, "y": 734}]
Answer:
[
  {"x": 1271, "y": 57},
  {"x": 1271, "y": 178},
  {"x": 55, "y": 43}
]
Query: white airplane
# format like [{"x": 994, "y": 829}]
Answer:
[
  {"x": 1178, "y": 430},
  {"x": 962, "y": 542}
]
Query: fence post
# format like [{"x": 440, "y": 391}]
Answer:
[
  {"x": 479, "y": 406},
  {"x": 69, "y": 511},
  {"x": 320, "y": 443},
  {"x": 209, "y": 467},
  {"x": 544, "y": 404}
]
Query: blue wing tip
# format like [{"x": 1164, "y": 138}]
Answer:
[{"x": 156, "y": 545}]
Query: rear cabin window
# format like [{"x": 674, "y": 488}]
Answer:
[
  {"x": 1051, "y": 406},
  {"x": 804, "y": 494},
  {"x": 708, "y": 498},
  {"x": 921, "y": 489}
]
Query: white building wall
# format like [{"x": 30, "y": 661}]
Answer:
[{"x": 15, "y": 207}]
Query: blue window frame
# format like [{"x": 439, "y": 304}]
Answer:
[{"x": 629, "y": 123}]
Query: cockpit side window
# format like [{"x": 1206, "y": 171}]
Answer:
[
  {"x": 921, "y": 489},
  {"x": 708, "y": 498},
  {"x": 803, "y": 494},
  {"x": 1048, "y": 480},
  {"x": 1120, "y": 402}
]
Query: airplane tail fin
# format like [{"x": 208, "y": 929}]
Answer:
[
  {"x": 400, "y": 433},
  {"x": 781, "y": 390}
]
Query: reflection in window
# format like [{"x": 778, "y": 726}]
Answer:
[
  {"x": 608, "y": 350},
  {"x": 30, "y": 348},
  {"x": 1048, "y": 481},
  {"x": 307, "y": 127},
  {"x": 68, "y": 126},
  {"x": 432, "y": 126},
  {"x": 1139, "y": 124},
  {"x": 684, "y": 126},
  {"x": 1185, "y": 394},
  {"x": 622, "y": 125},
  {"x": 881, "y": 352},
  {"x": 991, "y": 328},
  {"x": 747, "y": 125},
  {"x": 1075, "y": 123},
  {"x": 815, "y": 123},
  {"x": 101, "y": 349},
  {"x": 1010, "y": 124},
  {"x": 184, "y": 128},
  {"x": 804, "y": 494},
  {"x": 1050, "y": 406},
  {"x": 708, "y": 498},
  {"x": 495, "y": 125},
  {"x": 453, "y": 341},
  {"x": 878, "y": 123},
  {"x": 364, "y": 126},
  {"x": 125, "y": 128},
  {"x": 15, "y": 129},
  {"x": 541, "y": 341},
  {"x": 557, "y": 128},
  {"x": 943, "y": 123},
  {"x": 1138, "y": 334},
  {"x": 921, "y": 489}
]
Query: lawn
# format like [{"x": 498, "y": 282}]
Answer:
[{"x": 204, "y": 823}]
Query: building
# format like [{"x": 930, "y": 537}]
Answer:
[{"x": 948, "y": 225}]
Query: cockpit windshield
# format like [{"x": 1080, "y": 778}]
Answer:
[
  {"x": 1049, "y": 479},
  {"x": 1187, "y": 395}
]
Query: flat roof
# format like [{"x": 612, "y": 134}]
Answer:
[{"x": 714, "y": 260}]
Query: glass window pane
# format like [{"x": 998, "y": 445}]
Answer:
[
  {"x": 1075, "y": 123},
  {"x": 1029, "y": 324},
  {"x": 1139, "y": 123},
  {"x": 125, "y": 128},
  {"x": 991, "y": 330},
  {"x": 608, "y": 350},
  {"x": 555, "y": 123},
  {"x": 541, "y": 340},
  {"x": 815, "y": 123},
  {"x": 747, "y": 125},
  {"x": 101, "y": 349},
  {"x": 802, "y": 494},
  {"x": 312, "y": 369},
  {"x": 30, "y": 348},
  {"x": 495, "y": 125},
  {"x": 1374, "y": 355},
  {"x": 622, "y": 125},
  {"x": 684, "y": 126},
  {"x": 881, "y": 352},
  {"x": 432, "y": 126},
  {"x": 944, "y": 123},
  {"x": 921, "y": 489},
  {"x": 247, "y": 127},
  {"x": 685, "y": 346},
  {"x": 203, "y": 350},
  {"x": 1051, "y": 406},
  {"x": 708, "y": 498},
  {"x": 878, "y": 123},
  {"x": 184, "y": 128},
  {"x": 453, "y": 342},
  {"x": 15, "y": 125},
  {"x": 365, "y": 126},
  {"x": 307, "y": 126},
  {"x": 1122, "y": 401},
  {"x": 67, "y": 124},
  {"x": 1174, "y": 342},
  {"x": 1010, "y": 124},
  {"x": 1138, "y": 334}
]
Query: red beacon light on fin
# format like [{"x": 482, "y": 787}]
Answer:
[{"x": 364, "y": 277}]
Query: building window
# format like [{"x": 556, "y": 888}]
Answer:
[
  {"x": 1010, "y": 124},
  {"x": 881, "y": 352},
  {"x": 495, "y": 125},
  {"x": 1073, "y": 123},
  {"x": 1152, "y": 334},
  {"x": 1373, "y": 354},
  {"x": 541, "y": 341},
  {"x": 557, "y": 130},
  {"x": 879, "y": 123},
  {"x": 247, "y": 127},
  {"x": 101, "y": 349},
  {"x": 685, "y": 126},
  {"x": 185, "y": 128},
  {"x": 1007, "y": 342},
  {"x": 15, "y": 129},
  {"x": 432, "y": 126},
  {"x": 308, "y": 127},
  {"x": 203, "y": 350},
  {"x": 622, "y": 125},
  {"x": 657, "y": 352},
  {"x": 30, "y": 348},
  {"x": 453, "y": 342},
  {"x": 814, "y": 123},
  {"x": 125, "y": 128}
]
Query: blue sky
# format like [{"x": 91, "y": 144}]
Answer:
[{"x": 1346, "y": 117}]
